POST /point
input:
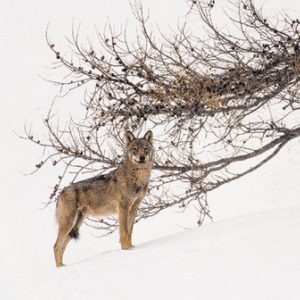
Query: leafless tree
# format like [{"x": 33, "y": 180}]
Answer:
[{"x": 221, "y": 104}]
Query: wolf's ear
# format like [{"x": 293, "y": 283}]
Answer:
[
  {"x": 149, "y": 136},
  {"x": 129, "y": 137}
]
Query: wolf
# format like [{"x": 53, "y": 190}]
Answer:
[{"x": 120, "y": 191}]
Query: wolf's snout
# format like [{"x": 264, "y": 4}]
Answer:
[{"x": 142, "y": 158}]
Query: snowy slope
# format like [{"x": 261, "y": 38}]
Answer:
[
  {"x": 251, "y": 251},
  {"x": 255, "y": 256}
]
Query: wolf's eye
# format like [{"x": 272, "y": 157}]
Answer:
[
  {"x": 146, "y": 149},
  {"x": 134, "y": 150}
]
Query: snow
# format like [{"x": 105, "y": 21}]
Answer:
[
  {"x": 254, "y": 256},
  {"x": 250, "y": 251}
]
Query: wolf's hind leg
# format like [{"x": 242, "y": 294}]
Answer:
[
  {"x": 68, "y": 226},
  {"x": 60, "y": 245}
]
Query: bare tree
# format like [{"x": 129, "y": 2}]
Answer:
[{"x": 220, "y": 105}]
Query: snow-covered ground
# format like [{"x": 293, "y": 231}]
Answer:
[
  {"x": 254, "y": 256},
  {"x": 250, "y": 251}
]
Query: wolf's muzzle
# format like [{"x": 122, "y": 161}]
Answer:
[{"x": 141, "y": 159}]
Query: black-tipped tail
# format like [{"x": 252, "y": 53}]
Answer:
[{"x": 74, "y": 234}]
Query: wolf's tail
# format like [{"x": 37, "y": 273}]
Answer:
[{"x": 74, "y": 233}]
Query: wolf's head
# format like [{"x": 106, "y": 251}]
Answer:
[{"x": 139, "y": 150}]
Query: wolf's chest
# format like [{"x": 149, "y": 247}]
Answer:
[{"x": 138, "y": 188}]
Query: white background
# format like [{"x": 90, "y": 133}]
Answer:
[{"x": 251, "y": 251}]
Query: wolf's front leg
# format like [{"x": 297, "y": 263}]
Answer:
[
  {"x": 131, "y": 219},
  {"x": 123, "y": 227}
]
